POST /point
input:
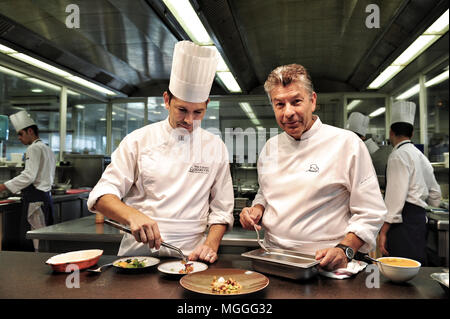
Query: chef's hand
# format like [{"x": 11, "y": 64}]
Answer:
[
  {"x": 382, "y": 238},
  {"x": 332, "y": 258},
  {"x": 203, "y": 252},
  {"x": 250, "y": 216},
  {"x": 145, "y": 230}
]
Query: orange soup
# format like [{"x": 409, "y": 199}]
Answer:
[{"x": 399, "y": 262}]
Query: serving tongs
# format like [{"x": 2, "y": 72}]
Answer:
[
  {"x": 127, "y": 230},
  {"x": 260, "y": 241}
]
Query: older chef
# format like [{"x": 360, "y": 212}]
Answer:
[
  {"x": 359, "y": 123},
  {"x": 36, "y": 180},
  {"x": 410, "y": 187},
  {"x": 170, "y": 181},
  {"x": 318, "y": 192}
]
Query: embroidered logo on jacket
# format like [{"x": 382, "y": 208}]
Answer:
[
  {"x": 199, "y": 169},
  {"x": 313, "y": 168}
]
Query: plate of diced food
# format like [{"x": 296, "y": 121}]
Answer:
[
  {"x": 225, "y": 281},
  {"x": 179, "y": 267},
  {"x": 135, "y": 264}
]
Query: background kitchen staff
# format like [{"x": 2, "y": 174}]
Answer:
[
  {"x": 173, "y": 177},
  {"x": 410, "y": 184},
  {"x": 36, "y": 180},
  {"x": 318, "y": 190},
  {"x": 359, "y": 124}
]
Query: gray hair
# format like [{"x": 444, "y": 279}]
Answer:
[{"x": 287, "y": 74}]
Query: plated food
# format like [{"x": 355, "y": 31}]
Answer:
[
  {"x": 135, "y": 263},
  {"x": 179, "y": 267},
  {"x": 222, "y": 286},
  {"x": 224, "y": 281}
]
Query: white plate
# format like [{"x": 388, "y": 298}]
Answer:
[
  {"x": 174, "y": 267},
  {"x": 149, "y": 261}
]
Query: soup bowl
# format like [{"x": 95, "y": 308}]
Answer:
[{"x": 398, "y": 269}]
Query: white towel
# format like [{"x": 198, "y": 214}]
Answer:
[{"x": 353, "y": 267}]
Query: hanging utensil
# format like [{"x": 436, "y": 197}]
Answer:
[{"x": 167, "y": 245}]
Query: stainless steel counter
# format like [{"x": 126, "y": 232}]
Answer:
[{"x": 84, "y": 233}]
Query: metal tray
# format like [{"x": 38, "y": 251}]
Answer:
[{"x": 283, "y": 263}]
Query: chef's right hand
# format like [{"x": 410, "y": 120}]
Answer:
[
  {"x": 250, "y": 216},
  {"x": 145, "y": 230}
]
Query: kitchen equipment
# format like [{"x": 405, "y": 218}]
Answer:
[
  {"x": 398, "y": 273},
  {"x": 284, "y": 263},
  {"x": 127, "y": 230},
  {"x": 174, "y": 267},
  {"x": 99, "y": 269},
  {"x": 442, "y": 279},
  {"x": 145, "y": 260},
  {"x": 81, "y": 258},
  {"x": 259, "y": 240},
  {"x": 200, "y": 282}
]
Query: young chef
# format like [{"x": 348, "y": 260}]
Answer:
[
  {"x": 170, "y": 181},
  {"x": 359, "y": 123},
  {"x": 318, "y": 192},
  {"x": 410, "y": 184},
  {"x": 36, "y": 180}
]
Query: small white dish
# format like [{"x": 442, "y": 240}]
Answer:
[{"x": 174, "y": 267}]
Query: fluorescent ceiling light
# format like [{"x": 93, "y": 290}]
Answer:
[
  {"x": 37, "y": 90},
  {"x": 229, "y": 81},
  {"x": 43, "y": 83},
  {"x": 54, "y": 70},
  {"x": 353, "y": 104},
  {"x": 416, "y": 88},
  {"x": 189, "y": 20},
  {"x": 90, "y": 85},
  {"x": 11, "y": 72},
  {"x": 423, "y": 42},
  {"x": 255, "y": 121},
  {"x": 377, "y": 112},
  {"x": 79, "y": 106},
  {"x": 39, "y": 64},
  {"x": 212, "y": 118},
  {"x": 245, "y": 106},
  {"x": 5, "y": 50},
  {"x": 385, "y": 76},
  {"x": 221, "y": 66}
]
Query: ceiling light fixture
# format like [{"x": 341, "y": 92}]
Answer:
[
  {"x": 54, "y": 70},
  {"x": 377, "y": 112},
  {"x": 423, "y": 42},
  {"x": 37, "y": 90},
  {"x": 186, "y": 16},
  {"x": 353, "y": 104},
  {"x": 245, "y": 106},
  {"x": 416, "y": 88}
]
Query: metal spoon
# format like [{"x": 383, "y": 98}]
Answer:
[
  {"x": 99, "y": 269},
  {"x": 259, "y": 240},
  {"x": 371, "y": 259}
]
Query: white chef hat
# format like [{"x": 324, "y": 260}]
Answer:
[
  {"x": 403, "y": 111},
  {"x": 193, "y": 71},
  {"x": 358, "y": 123},
  {"x": 21, "y": 120},
  {"x": 371, "y": 145}
]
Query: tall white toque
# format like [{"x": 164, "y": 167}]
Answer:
[
  {"x": 358, "y": 123},
  {"x": 21, "y": 120},
  {"x": 193, "y": 71},
  {"x": 403, "y": 111}
]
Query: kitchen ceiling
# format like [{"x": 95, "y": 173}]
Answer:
[{"x": 127, "y": 45}]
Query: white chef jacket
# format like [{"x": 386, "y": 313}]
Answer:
[
  {"x": 318, "y": 189},
  {"x": 180, "y": 180},
  {"x": 39, "y": 169},
  {"x": 410, "y": 178}
]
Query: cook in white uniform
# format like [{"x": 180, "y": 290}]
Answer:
[
  {"x": 410, "y": 187},
  {"x": 359, "y": 123},
  {"x": 170, "y": 181},
  {"x": 318, "y": 188},
  {"x": 35, "y": 181}
]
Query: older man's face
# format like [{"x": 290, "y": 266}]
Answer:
[{"x": 293, "y": 108}]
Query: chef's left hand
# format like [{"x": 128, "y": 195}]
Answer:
[
  {"x": 332, "y": 258},
  {"x": 203, "y": 252}
]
